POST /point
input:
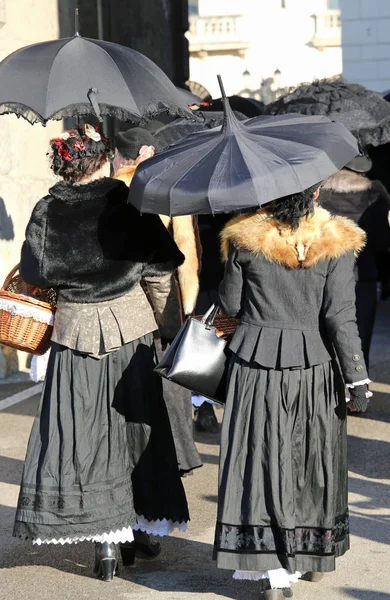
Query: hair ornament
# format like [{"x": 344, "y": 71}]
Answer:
[{"x": 91, "y": 132}]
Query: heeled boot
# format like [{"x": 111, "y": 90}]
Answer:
[
  {"x": 313, "y": 576},
  {"x": 141, "y": 547},
  {"x": 106, "y": 561}
]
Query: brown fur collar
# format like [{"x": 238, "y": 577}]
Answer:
[
  {"x": 346, "y": 181},
  {"x": 317, "y": 238}
]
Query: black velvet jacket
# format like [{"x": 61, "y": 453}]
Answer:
[{"x": 89, "y": 243}]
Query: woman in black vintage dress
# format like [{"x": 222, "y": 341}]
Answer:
[
  {"x": 101, "y": 463},
  {"x": 282, "y": 506}
]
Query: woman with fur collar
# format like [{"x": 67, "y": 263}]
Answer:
[
  {"x": 351, "y": 194},
  {"x": 101, "y": 462},
  {"x": 282, "y": 504}
]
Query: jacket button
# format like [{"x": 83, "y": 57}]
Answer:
[
  {"x": 359, "y": 368},
  {"x": 356, "y": 357}
]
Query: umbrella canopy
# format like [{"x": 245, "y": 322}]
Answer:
[
  {"x": 245, "y": 164},
  {"x": 177, "y": 130},
  {"x": 364, "y": 112},
  {"x": 250, "y": 107},
  {"x": 188, "y": 97},
  {"x": 80, "y": 76}
]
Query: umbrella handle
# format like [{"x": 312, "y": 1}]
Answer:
[{"x": 92, "y": 97}]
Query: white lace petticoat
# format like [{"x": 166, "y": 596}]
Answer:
[
  {"x": 159, "y": 527},
  {"x": 278, "y": 578}
]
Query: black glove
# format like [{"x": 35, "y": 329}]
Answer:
[
  {"x": 165, "y": 342},
  {"x": 358, "y": 402}
]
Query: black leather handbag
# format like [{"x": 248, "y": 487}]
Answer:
[{"x": 197, "y": 358}]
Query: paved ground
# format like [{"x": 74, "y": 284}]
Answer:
[{"x": 185, "y": 569}]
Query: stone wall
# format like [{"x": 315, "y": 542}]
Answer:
[
  {"x": 24, "y": 172},
  {"x": 366, "y": 42}
]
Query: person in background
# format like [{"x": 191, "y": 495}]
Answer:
[
  {"x": 211, "y": 274},
  {"x": 283, "y": 476},
  {"x": 351, "y": 194},
  {"x": 133, "y": 147},
  {"x": 101, "y": 464}
]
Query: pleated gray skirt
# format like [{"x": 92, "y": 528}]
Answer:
[
  {"x": 283, "y": 470},
  {"x": 101, "y": 450}
]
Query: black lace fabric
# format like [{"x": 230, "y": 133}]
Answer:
[
  {"x": 106, "y": 110},
  {"x": 259, "y": 539}
]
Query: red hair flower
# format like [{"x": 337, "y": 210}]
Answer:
[
  {"x": 79, "y": 145},
  {"x": 62, "y": 149}
]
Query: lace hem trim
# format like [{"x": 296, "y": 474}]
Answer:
[
  {"x": 278, "y": 578},
  {"x": 120, "y": 536},
  {"x": 362, "y": 382},
  {"x": 160, "y": 527},
  {"x": 15, "y": 308}
]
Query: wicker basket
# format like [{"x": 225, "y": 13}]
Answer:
[{"x": 26, "y": 315}]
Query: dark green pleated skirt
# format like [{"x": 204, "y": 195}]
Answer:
[{"x": 283, "y": 470}]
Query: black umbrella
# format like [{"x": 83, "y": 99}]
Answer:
[
  {"x": 188, "y": 97},
  {"x": 250, "y": 107},
  {"x": 80, "y": 76},
  {"x": 245, "y": 164},
  {"x": 177, "y": 130},
  {"x": 364, "y": 112}
]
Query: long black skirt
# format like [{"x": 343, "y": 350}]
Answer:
[
  {"x": 283, "y": 470},
  {"x": 101, "y": 449}
]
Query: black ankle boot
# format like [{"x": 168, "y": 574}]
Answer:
[
  {"x": 106, "y": 561},
  {"x": 141, "y": 547},
  {"x": 313, "y": 576}
]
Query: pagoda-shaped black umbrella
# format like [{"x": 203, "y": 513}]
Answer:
[
  {"x": 244, "y": 164},
  {"x": 79, "y": 76}
]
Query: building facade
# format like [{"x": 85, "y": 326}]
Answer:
[
  {"x": 366, "y": 42},
  {"x": 278, "y": 43}
]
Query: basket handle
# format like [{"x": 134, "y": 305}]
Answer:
[{"x": 7, "y": 280}]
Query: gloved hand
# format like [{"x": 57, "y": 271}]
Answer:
[
  {"x": 165, "y": 342},
  {"x": 359, "y": 398}
]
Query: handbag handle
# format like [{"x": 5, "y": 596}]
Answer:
[{"x": 209, "y": 316}]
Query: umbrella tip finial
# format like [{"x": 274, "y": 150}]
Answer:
[
  {"x": 221, "y": 87},
  {"x": 76, "y": 21}
]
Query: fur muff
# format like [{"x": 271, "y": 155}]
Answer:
[
  {"x": 184, "y": 235},
  {"x": 318, "y": 237}
]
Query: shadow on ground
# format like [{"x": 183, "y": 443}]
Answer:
[
  {"x": 361, "y": 594},
  {"x": 369, "y": 457}
]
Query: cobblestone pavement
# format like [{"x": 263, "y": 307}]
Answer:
[{"x": 185, "y": 569}]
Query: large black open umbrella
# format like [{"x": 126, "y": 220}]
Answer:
[
  {"x": 365, "y": 113},
  {"x": 242, "y": 165},
  {"x": 79, "y": 76}
]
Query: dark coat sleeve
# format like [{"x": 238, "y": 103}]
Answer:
[
  {"x": 231, "y": 287},
  {"x": 339, "y": 313},
  {"x": 32, "y": 256}
]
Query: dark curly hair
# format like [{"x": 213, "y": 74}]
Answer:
[
  {"x": 290, "y": 209},
  {"x": 76, "y": 155}
]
